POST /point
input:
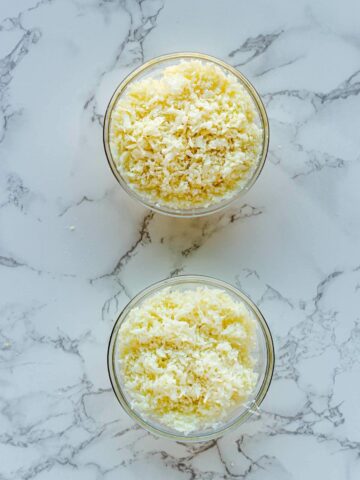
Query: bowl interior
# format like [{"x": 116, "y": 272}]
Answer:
[
  {"x": 263, "y": 353},
  {"x": 154, "y": 69}
]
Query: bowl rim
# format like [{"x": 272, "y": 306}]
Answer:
[
  {"x": 201, "y": 280},
  {"x": 201, "y": 211}
]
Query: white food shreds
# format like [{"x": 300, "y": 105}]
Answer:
[
  {"x": 187, "y": 139},
  {"x": 185, "y": 357}
]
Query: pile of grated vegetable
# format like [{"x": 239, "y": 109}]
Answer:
[
  {"x": 185, "y": 357},
  {"x": 188, "y": 139}
]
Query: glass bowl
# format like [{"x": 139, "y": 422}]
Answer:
[
  {"x": 264, "y": 365},
  {"x": 153, "y": 68}
]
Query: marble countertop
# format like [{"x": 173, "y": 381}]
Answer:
[{"x": 74, "y": 248}]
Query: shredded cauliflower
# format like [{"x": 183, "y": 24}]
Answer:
[
  {"x": 185, "y": 357},
  {"x": 187, "y": 139}
]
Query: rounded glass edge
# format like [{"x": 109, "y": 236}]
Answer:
[
  {"x": 270, "y": 357},
  {"x": 204, "y": 210}
]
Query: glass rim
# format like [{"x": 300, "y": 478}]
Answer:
[
  {"x": 200, "y": 211},
  {"x": 255, "y": 403}
]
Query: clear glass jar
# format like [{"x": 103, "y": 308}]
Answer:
[
  {"x": 264, "y": 355},
  {"x": 153, "y": 68}
]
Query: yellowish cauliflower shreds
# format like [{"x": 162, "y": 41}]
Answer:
[
  {"x": 187, "y": 139},
  {"x": 185, "y": 357}
]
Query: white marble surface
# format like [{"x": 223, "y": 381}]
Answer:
[{"x": 292, "y": 243}]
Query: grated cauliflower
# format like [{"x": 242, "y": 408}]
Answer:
[
  {"x": 185, "y": 357},
  {"x": 187, "y": 139}
]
